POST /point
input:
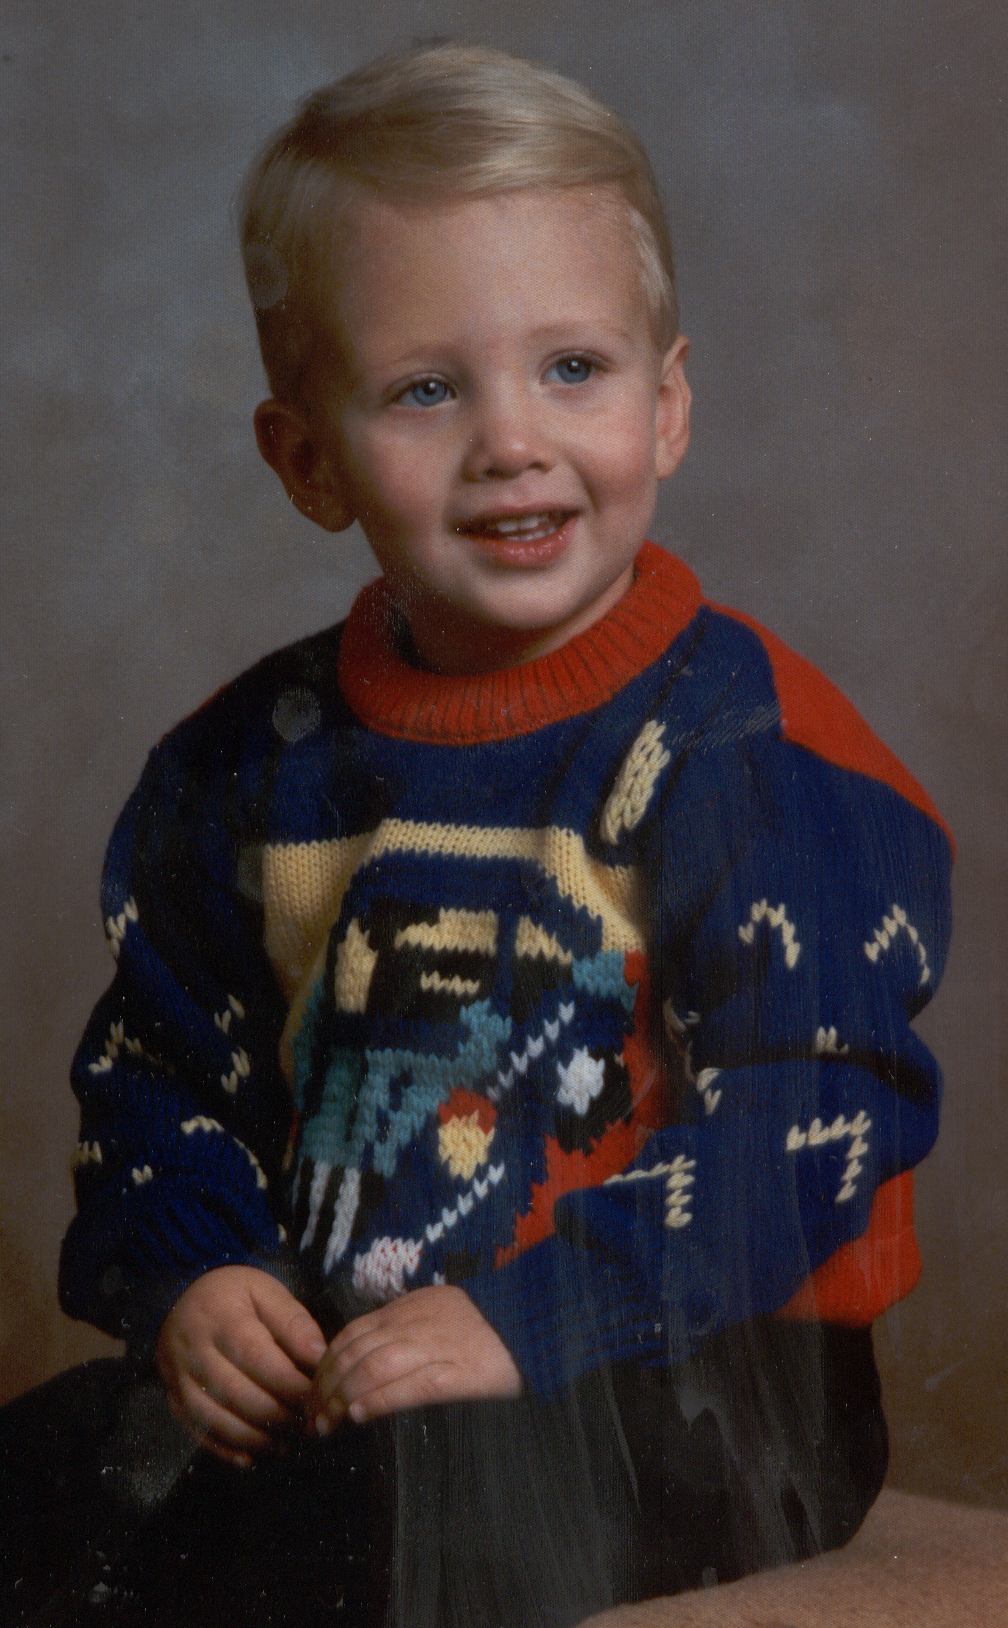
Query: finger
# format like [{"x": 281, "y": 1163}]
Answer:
[
  {"x": 293, "y": 1329},
  {"x": 330, "y": 1397},
  {"x": 253, "y": 1352},
  {"x": 392, "y": 1319},
  {"x": 384, "y": 1365},
  {"x": 349, "y": 1348},
  {"x": 221, "y": 1380},
  {"x": 342, "y": 1359},
  {"x": 211, "y": 1422},
  {"x": 199, "y": 1438},
  {"x": 241, "y": 1461},
  {"x": 429, "y": 1382}
]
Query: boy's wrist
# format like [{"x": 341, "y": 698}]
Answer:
[
  {"x": 149, "y": 1311},
  {"x": 561, "y": 1312}
]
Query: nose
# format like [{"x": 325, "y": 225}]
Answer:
[{"x": 506, "y": 437}]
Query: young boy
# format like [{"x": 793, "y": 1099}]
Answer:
[{"x": 510, "y": 1036}]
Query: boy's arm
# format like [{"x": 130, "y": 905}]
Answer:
[
  {"x": 183, "y": 1113},
  {"x": 800, "y": 921},
  {"x": 432, "y": 1345}
]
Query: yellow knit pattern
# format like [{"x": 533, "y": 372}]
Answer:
[
  {"x": 304, "y": 883},
  {"x": 433, "y": 982},
  {"x": 474, "y": 930},
  {"x": 303, "y": 888},
  {"x": 635, "y": 783},
  {"x": 531, "y": 939},
  {"x": 463, "y": 1146},
  {"x": 355, "y": 964}
]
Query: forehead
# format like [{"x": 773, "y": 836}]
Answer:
[{"x": 492, "y": 268}]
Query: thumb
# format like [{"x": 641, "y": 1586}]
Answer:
[{"x": 292, "y": 1327}]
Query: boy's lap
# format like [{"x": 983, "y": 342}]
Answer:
[
  {"x": 111, "y": 1514},
  {"x": 631, "y": 1485}
]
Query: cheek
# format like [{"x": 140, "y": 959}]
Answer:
[
  {"x": 624, "y": 459},
  {"x": 395, "y": 484}
]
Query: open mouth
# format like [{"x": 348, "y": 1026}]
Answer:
[{"x": 531, "y": 527}]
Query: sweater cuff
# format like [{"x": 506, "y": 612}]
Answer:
[
  {"x": 147, "y": 1315},
  {"x": 127, "y": 1283},
  {"x": 562, "y": 1313}
]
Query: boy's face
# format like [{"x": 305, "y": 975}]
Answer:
[{"x": 497, "y": 421}]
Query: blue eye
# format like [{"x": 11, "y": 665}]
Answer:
[
  {"x": 573, "y": 369},
  {"x": 428, "y": 393}
]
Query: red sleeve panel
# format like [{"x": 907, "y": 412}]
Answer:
[{"x": 863, "y": 1278}]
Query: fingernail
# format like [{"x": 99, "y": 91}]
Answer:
[
  {"x": 323, "y": 1424},
  {"x": 357, "y": 1412}
]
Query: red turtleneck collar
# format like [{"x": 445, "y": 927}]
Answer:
[{"x": 395, "y": 698}]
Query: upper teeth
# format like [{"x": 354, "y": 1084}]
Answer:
[{"x": 521, "y": 523}]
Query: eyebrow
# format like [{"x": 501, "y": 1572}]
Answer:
[
  {"x": 577, "y": 331},
  {"x": 562, "y": 331}
]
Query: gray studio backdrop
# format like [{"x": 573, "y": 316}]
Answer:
[{"x": 836, "y": 181}]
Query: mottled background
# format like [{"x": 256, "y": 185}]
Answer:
[{"x": 836, "y": 180}]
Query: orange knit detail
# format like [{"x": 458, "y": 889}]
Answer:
[
  {"x": 861, "y": 1279},
  {"x": 461, "y": 1104},
  {"x": 567, "y": 1173},
  {"x": 647, "y": 1078},
  {"x": 815, "y": 714},
  {"x": 395, "y": 698},
  {"x": 622, "y": 1142}
]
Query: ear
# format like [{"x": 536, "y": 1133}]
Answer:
[
  {"x": 672, "y": 409},
  {"x": 310, "y": 479}
]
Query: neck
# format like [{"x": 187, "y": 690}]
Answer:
[
  {"x": 395, "y": 694},
  {"x": 444, "y": 641}
]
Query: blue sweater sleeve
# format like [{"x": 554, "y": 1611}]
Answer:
[
  {"x": 799, "y": 919},
  {"x": 184, "y": 1115}
]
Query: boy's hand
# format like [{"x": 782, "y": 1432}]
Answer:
[
  {"x": 430, "y": 1346},
  {"x": 234, "y": 1353}
]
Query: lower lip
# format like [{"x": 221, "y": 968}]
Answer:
[{"x": 523, "y": 553}]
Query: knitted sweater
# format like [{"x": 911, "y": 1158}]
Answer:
[{"x": 586, "y": 985}]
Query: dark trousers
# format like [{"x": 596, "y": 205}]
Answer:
[{"x": 768, "y": 1446}]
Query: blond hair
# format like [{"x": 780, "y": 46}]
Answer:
[{"x": 430, "y": 125}]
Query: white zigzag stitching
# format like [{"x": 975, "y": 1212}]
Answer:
[
  {"x": 202, "y": 1123},
  {"x": 464, "y": 1203},
  {"x": 679, "y": 1180},
  {"x": 827, "y": 1043},
  {"x": 240, "y": 1071},
  {"x": 533, "y": 1048},
  {"x": 116, "y": 1038},
  {"x": 775, "y": 918},
  {"x": 818, "y": 1134},
  {"x": 884, "y": 935},
  {"x": 116, "y": 926},
  {"x": 234, "y": 1008},
  {"x": 704, "y": 1083}
]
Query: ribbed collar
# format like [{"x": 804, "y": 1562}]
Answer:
[{"x": 393, "y": 697}]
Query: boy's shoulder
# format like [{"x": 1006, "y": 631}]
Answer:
[
  {"x": 207, "y": 776},
  {"x": 816, "y": 715},
  {"x": 284, "y": 689}
]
